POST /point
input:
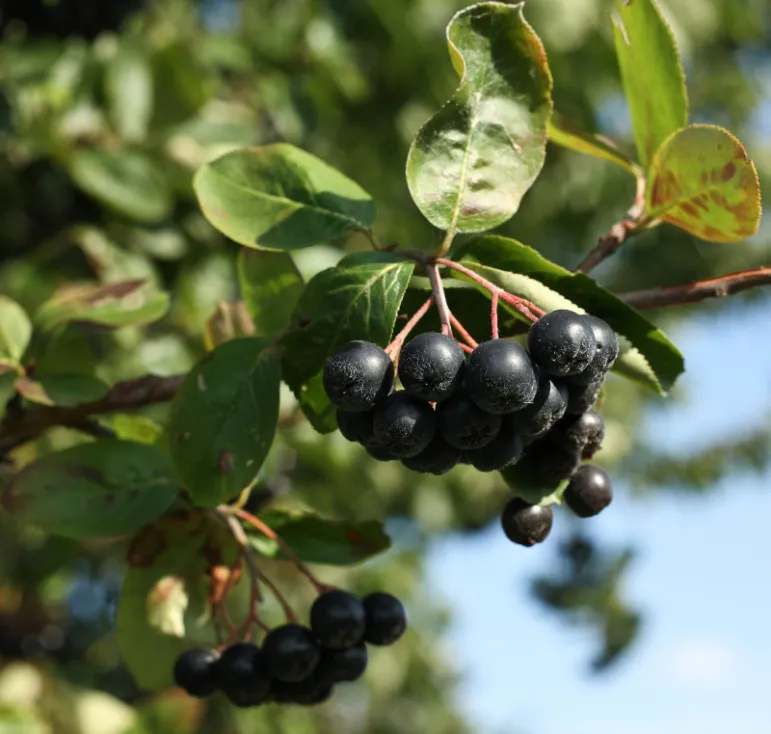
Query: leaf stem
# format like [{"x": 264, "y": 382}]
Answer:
[
  {"x": 445, "y": 316},
  {"x": 396, "y": 345},
  {"x": 371, "y": 237}
]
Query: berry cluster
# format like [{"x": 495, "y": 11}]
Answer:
[
  {"x": 297, "y": 664},
  {"x": 501, "y": 405}
]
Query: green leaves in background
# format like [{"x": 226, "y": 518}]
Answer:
[
  {"x": 471, "y": 164},
  {"x": 270, "y": 287},
  {"x": 314, "y": 539},
  {"x": 128, "y": 303},
  {"x": 653, "y": 77},
  {"x": 129, "y": 90},
  {"x": 279, "y": 197},
  {"x": 95, "y": 490},
  {"x": 702, "y": 181},
  {"x": 523, "y": 271},
  {"x": 63, "y": 390},
  {"x": 223, "y": 419},
  {"x": 339, "y": 304},
  {"x": 8, "y": 377},
  {"x": 15, "y": 331},
  {"x": 230, "y": 321}
]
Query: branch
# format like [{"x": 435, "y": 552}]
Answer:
[{"x": 680, "y": 295}]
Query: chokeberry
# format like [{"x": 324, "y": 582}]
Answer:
[
  {"x": 378, "y": 452},
  {"x": 337, "y": 666},
  {"x": 500, "y": 377},
  {"x": 562, "y": 343},
  {"x": 589, "y": 492},
  {"x": 357, "y": 427},
  {"x": 605, "y": 353},
  {"x": 464, "y": 425},
  {"x": 404, "y": 424},
  {"x": 241, "y": 675},
  {"x": 549, "y": 405},
  {"x": 386, "y": 619},
  {"x": 290, "y": 653},
  {"x": 437, "y": 458},
  {"x": 309, "y": 692},
  {"x": 583, "y": 433},
  {"x": 549, "y": 462},
  {"x": 430, "y": 366},
  {"x": 358, "y": 376},
  {"x": 504, "y": 450},
  {"x": 526, "y": 524},
  {"x": 194, "y": 672},
  {"x": 582, "y": 397},
  {"x": 338, "y": 619}
]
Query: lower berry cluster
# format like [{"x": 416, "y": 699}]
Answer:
[
  {"x": 297, "y": 664},
  {"x": 500, "y": 406}
]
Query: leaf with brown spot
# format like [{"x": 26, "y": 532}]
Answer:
[{"x": 702, "y": 181}]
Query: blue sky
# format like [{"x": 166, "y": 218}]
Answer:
[{"x": 702, "y": 578}]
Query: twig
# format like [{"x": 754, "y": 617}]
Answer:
[
  {"x": 445, "y": 316},
  {"x": 396, "y": 345},
  {"x": 680, "y": 295}
]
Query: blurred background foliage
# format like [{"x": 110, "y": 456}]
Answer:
[{"x": 107, "y": 109}]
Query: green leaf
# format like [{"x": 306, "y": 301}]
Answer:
[
  {"x": 565, "y": 133},
  {"x": 523, "y": 271},
  {"x": 15, "y": 330},
  {"x": 164, "y": 604},
  {"x": 128, "y": 182},
  {"x": 94, "y": 490},
  {"x": 471, "y": 164},
  {"x": 338, "y": 305},
  {"x": 315, "y": 539},
  {"x": 133, "y": 428},
  {"x": 8, "y": 377},
  {"x": 702, "y": 181},
  {"x": 129, "y": 90},
  {"x": 229, "y": 321},
  {"x": 279, "y": 197},
  {"x": 223, "y": 419},
  {"x": 61, "y": 389},
  {"x": 129, "y": 303},
  {"x": 270, "y": 286},
  {"x": 652, "y": 74}
]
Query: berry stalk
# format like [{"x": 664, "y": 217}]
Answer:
[
  {"x": 494, "y": 315},
  {"x": 445, "y": 315},
  {"x": 395, "y": 346},
  {"x": 470, "y": 341}
]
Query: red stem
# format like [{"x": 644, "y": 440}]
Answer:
[
  {"x": 445, "y": 315},
  {"x": 494, "y": 315},
  {"x": 396, "y": 344},
  {"x": 465, "y": 347},
  {"x": 462, "y": 331}
]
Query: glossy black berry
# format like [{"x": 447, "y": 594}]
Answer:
[
  {"x": 583, "y": 433},
  {"x": 358, "y": 376},
  {"x": 357, "y": 427},
  {"x": 241, "y": 674},
  {"x": 337, "y": 666},
  {"x": 562, "y": 343},
  {"x": 194, "y": 672},
  {"x": 549, "y": 462},
  {"x": 386, "y": 619},
  {"x": 378, "y": 452},
  {"x": 338, "y": 619},
  {"x": 582, "y": 397},
  {"x": 309, "y": 692},
  {"x": 589, "y": 492},
  {"x": 404, "y": 424},
  {"x": 464, "y": 425},
  {"x": 291, "y": 653},
  {"x": 500, "y": 377},
  {"x": 605, "y": 353},
  {"x": 430, "y": 366},
  {"x": 549, "y": 405},
  {"x": 504, "y": 450},
  {"x": 437, "y": 458},
  {"x": 526, "y": 524}
]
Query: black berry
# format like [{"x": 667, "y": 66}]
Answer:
[
  {"x": 500, "y": 377},
  {"x": 430, "y": 366},
  {"x": 589, "y": 492},
  {"x": 605, "y": 354},
  {"x": 309, "y": 692},
  {"x": 378, "y": 452},
  {"x": 358, "y": 376},
  {"x": 241, "y": 674},
  {"x": 404, "y": 424},
  {"x": 583, "y": 433},
  {"x": 504, "y": 450},
  {"x": 562, "y": 343},
  {"x": 464, "y": 425},
  {"x": 337, "y": 666},
  {"x": 549, "y": 462},
  {"x": 386, "y": 619},
  {"x": 547, "y": 408},
  {"x": 194, "y": 672},
  {"x": 582, "y": 397},
  {"x": 357, "y": 427},
  {"x": 290, "y": 653},
  {"x": 338, "y": 619},
  {"x": 526, "y": 524},
  {"x": 437, "y": 458}
]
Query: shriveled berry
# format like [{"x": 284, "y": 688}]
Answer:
[
  {"x": 605, "y": 354},
  {"x": 241, "y": 674},
  {"x": 589, "y": 492},
  {"x": 386, "y": 619},
  {"x": 291, "y": 653},
  {"x": 337, "y": 666},
  {"x": 549, "y": 405},
  {"x": 504, "y": 450},
  {"x": 526, "y": 524},
  {"x": 583, "y": 433},
  {"x": 582, "y": 397},
  {"x": 404, "y": 425},
  {"x": 500, "y": 376},
  {"x": 464, "y": 425},
  {"x": 437, "y": 458},
  {"x": 357, "y": 427},
  {"x": 338, "y": 619},
  {"x": 562, "y": 343},
  {"x": 430, "y": 366},
  {"x": 194, "y": 672},
  {"x": 358, "y": 376}
]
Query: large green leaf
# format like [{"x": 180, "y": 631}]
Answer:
[
  {"x": 702, "y": 181},
  {"x": 94, "y": 490},
  {"x": 471, "y": 164},
  {"x": 129, "y": 90},
  {"x": 270, "y": 287},
  {"x": 653, "y": 77},
  {"x": 15, "y": 330},
  {"x": 280, "y": 198},
  {"x": 61, "y": 389},
  {"x": 223, "y": 419},
  {"x": 338, "y": 305},
  {"x": 129, "y": 182},
  {"x": 315, "y": 539},
  {"x": 523, "y": 271}
]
